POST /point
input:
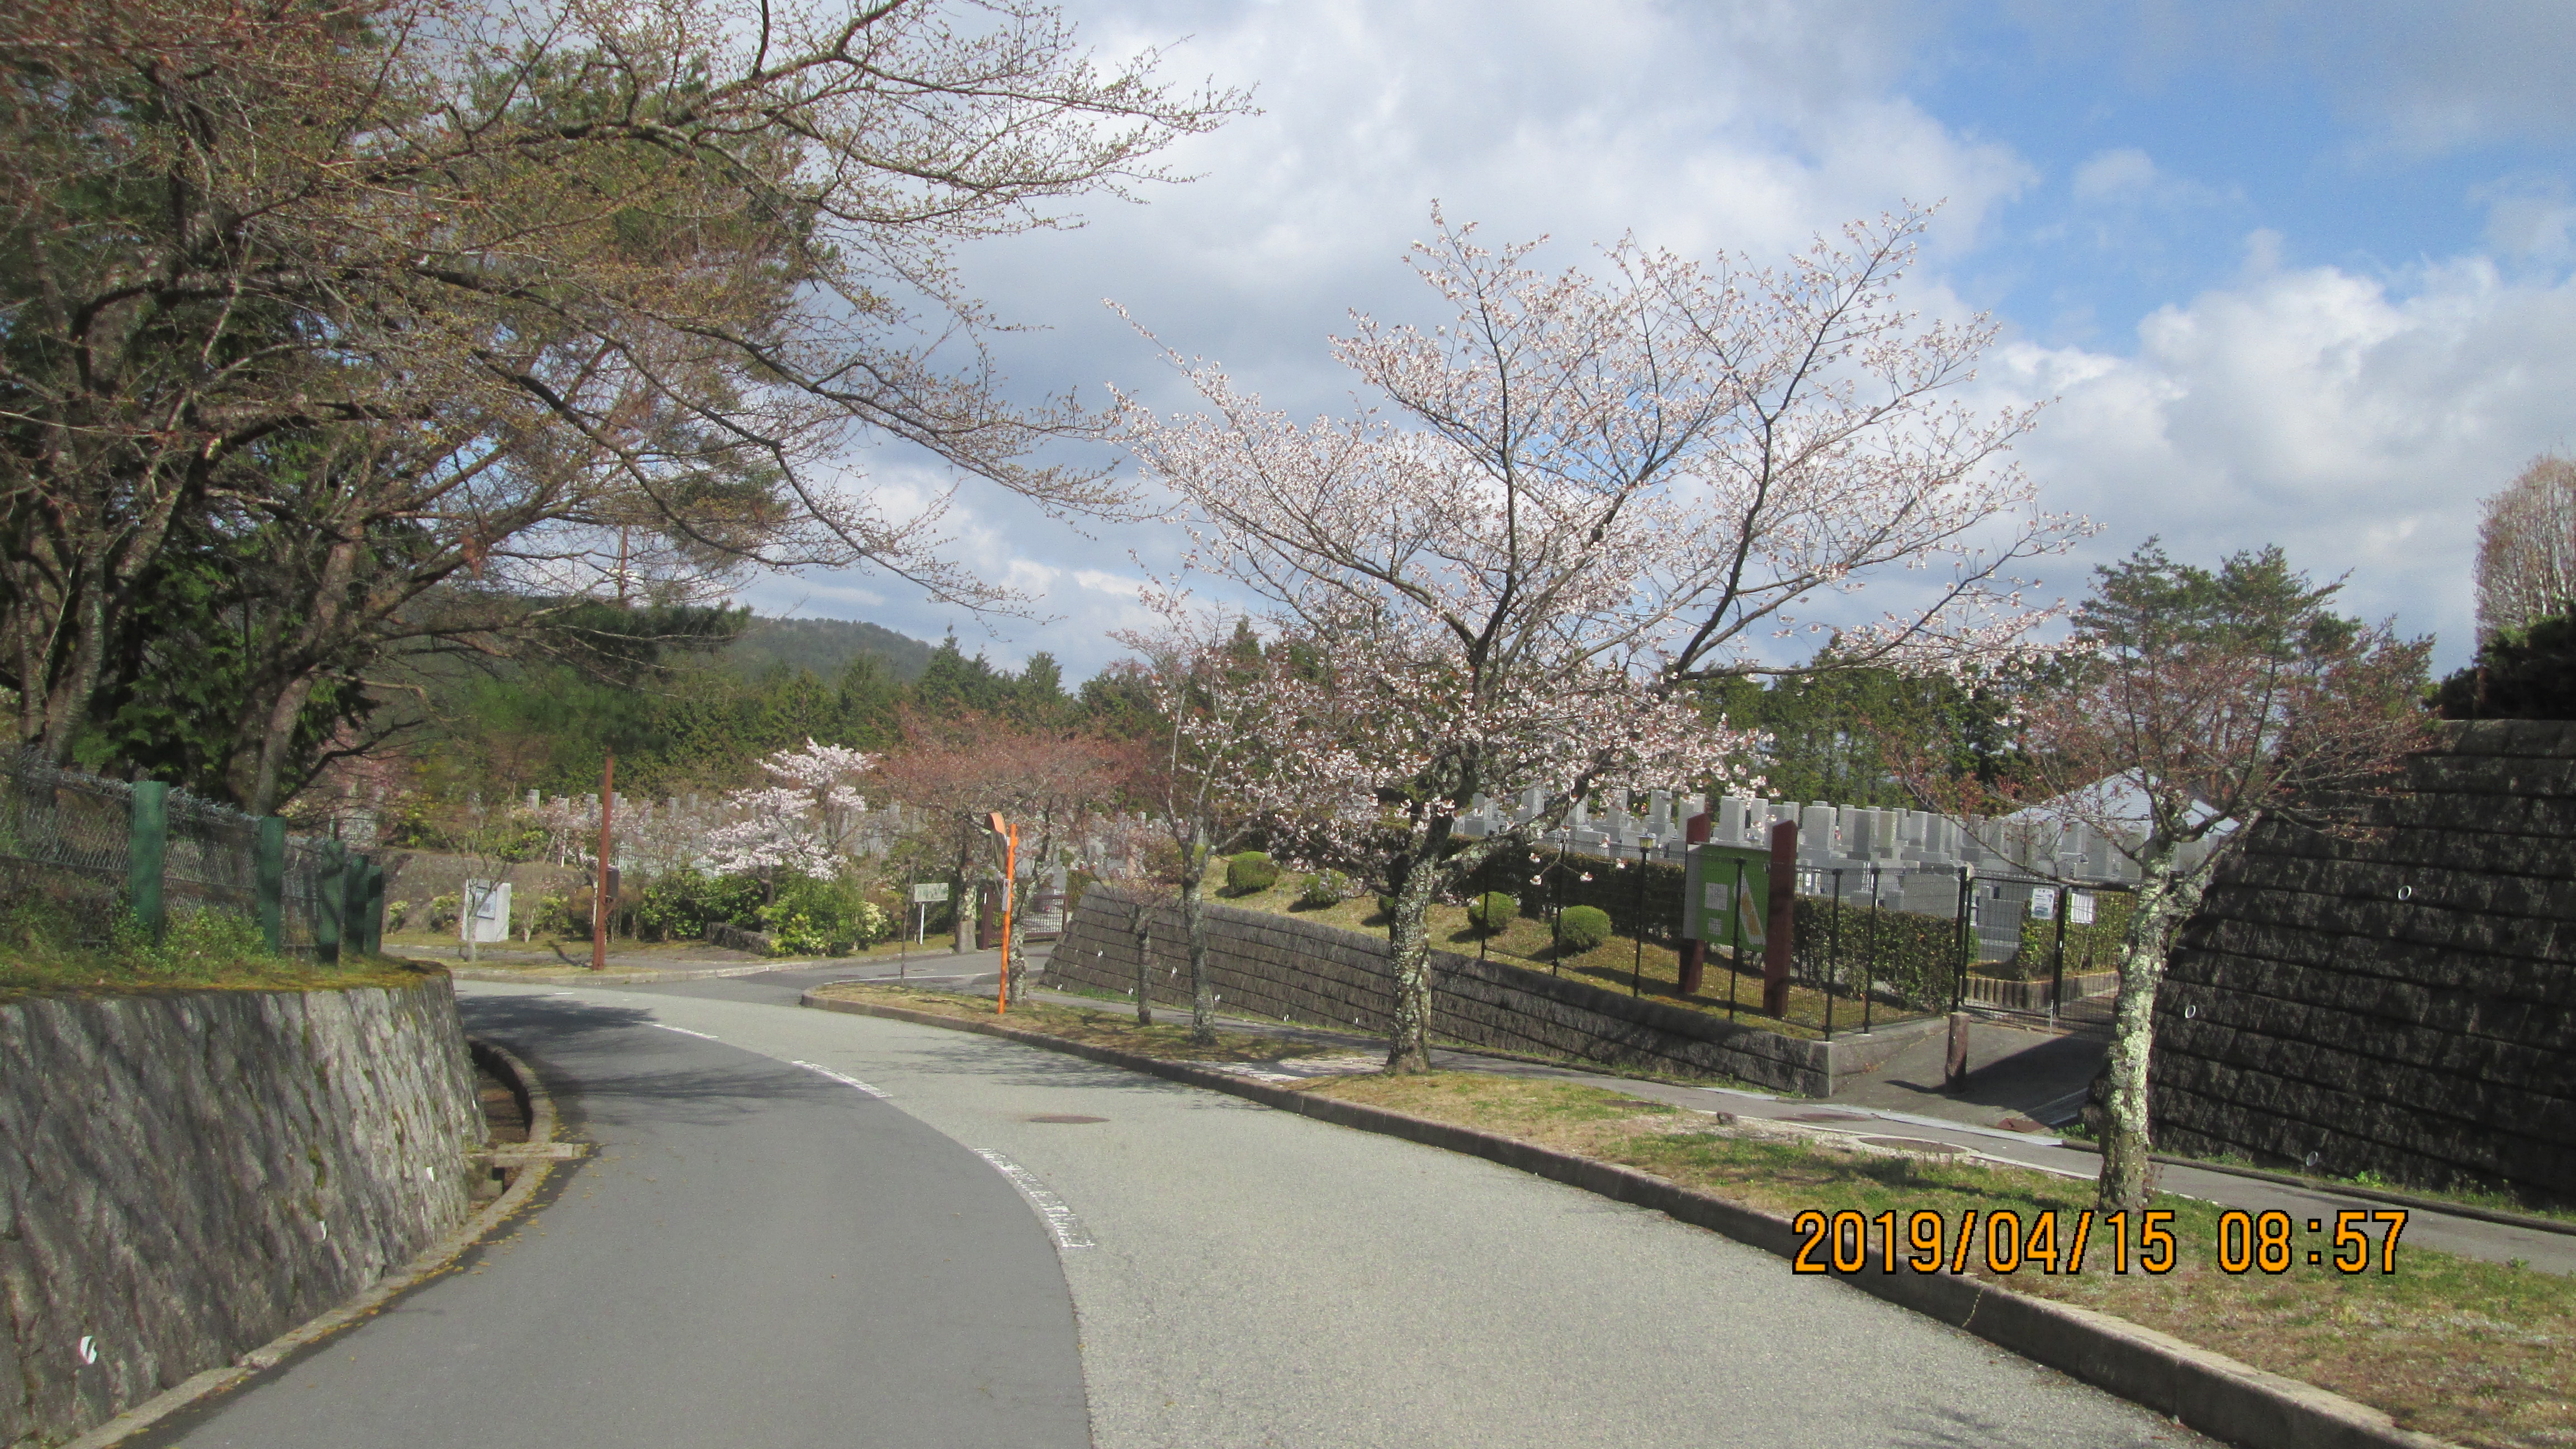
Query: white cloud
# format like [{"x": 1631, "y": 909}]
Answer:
[
  {"x": 2355, "y": 421},
  {"x": 2353, "y": 418},
  {"x": 1753, "y": 127}
]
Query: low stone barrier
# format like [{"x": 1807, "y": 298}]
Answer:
[
  {"x": 737, "y": 938},
  {"x": 1292, "y": 970},
  {"x": 2033, "y": 995},
  {"x": 194, "y": 1173}
]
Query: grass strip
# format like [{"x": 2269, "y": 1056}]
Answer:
[
  {"x": 1163, "y": 1042},
  {"x": 209, "y": 950},
  {"x": 2467, "y": 1350}
]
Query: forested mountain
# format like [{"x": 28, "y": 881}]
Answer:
[{"x": 823, "y": 647}]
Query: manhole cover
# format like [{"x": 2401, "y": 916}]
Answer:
[
  {"x": 1062, "y": 1117},
  {"x": 1913, "y": 1144}
]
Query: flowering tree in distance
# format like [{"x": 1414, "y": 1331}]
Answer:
[
  {"x": 803, "y": 822},
  {"x": 2192, "y": 706},
  {"x": 952, "y": 774},
  {"x": 1236, "y": 751},
  {"x": 1584, "y": 494}
]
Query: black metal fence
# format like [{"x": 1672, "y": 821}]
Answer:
[{"x": 104, "y": 850}]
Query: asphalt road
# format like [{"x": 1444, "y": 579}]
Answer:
[
  {"x": 762, "y": 1255},
  {"x": 755, "y": 1255},
  {"x": 1889, "y": 1110}
]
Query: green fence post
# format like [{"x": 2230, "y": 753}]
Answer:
[
  {"x": 353, "y": 906},
  {"x": 332, "y": 888},
  {"x": 271, "y": 872},
  {"x": 374, "y": 914},
  {"x": 147, "y": 850}
]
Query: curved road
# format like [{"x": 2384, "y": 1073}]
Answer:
[{"x": 760, "y": 1254}]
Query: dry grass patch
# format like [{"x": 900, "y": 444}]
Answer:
[
  {"x": 2480, "y": 1353},
  {"x": 1162, "y": 1041}
]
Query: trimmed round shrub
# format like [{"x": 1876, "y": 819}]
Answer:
[
  {"x": 1495, "y": 911},
  {"x": 1583, "y": 927},
  {"x": 1325, "y": 889},
  {"x": 1250, "y": 873},
  {"x": 1386, "y": 907}
]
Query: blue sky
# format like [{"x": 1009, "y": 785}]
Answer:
[{"x": 2292, "y": 273}]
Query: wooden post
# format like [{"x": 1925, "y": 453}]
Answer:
[
  {"x": 147, "y": 852},
  {"x": 599, "y": 902},
  {"x": 1784, "y": 918},
  {"x": 269, "y": 875},
  {"x": 1694, "y": 957}
]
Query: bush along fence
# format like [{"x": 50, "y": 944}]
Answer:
[{"x": 97, "y": 849}]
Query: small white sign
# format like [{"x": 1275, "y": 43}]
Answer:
[
  {"x": 930, "y": 894},
  {"x": 2079, "y": 908},
  {"x": 2043, "y": 904},
  {"x": 486, "y": 916}
]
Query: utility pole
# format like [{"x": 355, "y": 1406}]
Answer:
[{"x": 599, "y": 906}]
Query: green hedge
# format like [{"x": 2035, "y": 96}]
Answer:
[
  {"x": 1494, "y": 911},
  {"x": 1612, "y": 889},
  {"x": 1583, "y": 927},
  {"x": 1913, "y": 955},
  {"x": 2094, "y": 947},
  {"x": 1250, "y": 873}
]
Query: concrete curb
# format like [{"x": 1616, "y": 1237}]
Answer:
[
  {"x": 2210, "y": 1392},
  {"x": 429, "y": 1263}
]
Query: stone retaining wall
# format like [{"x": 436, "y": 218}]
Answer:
[
  {"x": 190, "y": 1174},
  {"x": 2404, "y": 1005},
  {"x": 1280, "y": 967}
]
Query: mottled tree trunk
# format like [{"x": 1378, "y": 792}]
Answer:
[
  {"x": 1140, "y": 924},
  {"x": 1194, "y": 925},
  {"x": 1408, "y": 1047},
  {"x": 2164, "y": 899}
]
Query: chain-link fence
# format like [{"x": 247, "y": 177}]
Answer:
[{"x": 98, "y": 851}]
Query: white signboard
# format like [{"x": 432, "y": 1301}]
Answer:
[
  {"x": 930, "y": 893},
  {"x": 486, "y": 916},
  {"x": 2043, "y": 904},
  {"x": 2079, "y": 908}
]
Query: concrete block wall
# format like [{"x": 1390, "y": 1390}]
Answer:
[
  {"x": 193, "y": 1173},
  {"x": 1280, "y": 967},
  {"x": 2404, "y": 1004}
]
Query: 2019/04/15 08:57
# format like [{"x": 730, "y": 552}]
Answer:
[{"x": 2244, "y": 1241}]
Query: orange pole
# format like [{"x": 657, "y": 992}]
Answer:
[{"x": 1010, "y": 876}]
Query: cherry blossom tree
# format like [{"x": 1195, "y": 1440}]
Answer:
[
  {"x": 1238, "y": 753},
  {"x": 1581, "y": 496},
  {"x": 806, "y": 821},
  {"x": 2189, "y": 707}
]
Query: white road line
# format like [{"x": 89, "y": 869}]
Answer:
[
  {"x": 846, "y": 1081},
  {"x": 684, "y": 1031},
  {"x": 1068, "y": 1231}
]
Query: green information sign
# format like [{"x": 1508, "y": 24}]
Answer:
[{"x": 1726, "y": 897}]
